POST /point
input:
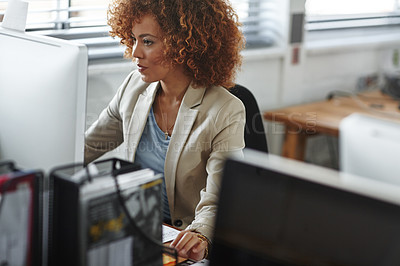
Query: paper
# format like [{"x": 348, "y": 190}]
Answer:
[
  {"x": 15, "y": 16},
  {"x": 169, "y": 233}
]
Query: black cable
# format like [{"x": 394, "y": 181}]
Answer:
[
  {"x": 170, "y": 250},
  {"x": 125, "y": 167}
]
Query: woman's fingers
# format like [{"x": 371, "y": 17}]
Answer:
[
  {"x": 189, "y": 245},
  {"x": 200, "y": 247},
  {"x": 184, "y": 242},
  {"x": 198, "y": 251}
]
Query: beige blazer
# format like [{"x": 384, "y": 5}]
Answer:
[{"x": 209, "y": 127}]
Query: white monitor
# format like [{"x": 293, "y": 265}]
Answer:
[
  {"x": 370, "y": 147},
  {"x": 43, "y": 83}
]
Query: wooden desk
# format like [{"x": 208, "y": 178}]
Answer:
[{"x": 324, "y": 117}]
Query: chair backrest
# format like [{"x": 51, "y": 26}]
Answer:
[{"x": 254, "y": 133}]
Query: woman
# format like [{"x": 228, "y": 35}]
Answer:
[{"x": 173, "y": 113}]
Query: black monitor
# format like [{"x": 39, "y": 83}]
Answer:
[{"x": 276, "y": 211}]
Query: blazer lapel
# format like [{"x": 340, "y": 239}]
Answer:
[
  {"x": 183, "y": 126},
  {"x": 139, "y": 119}
]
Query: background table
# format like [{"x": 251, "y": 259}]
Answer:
[{"x": 302, "y": 121}]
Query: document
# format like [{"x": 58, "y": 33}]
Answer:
[{"x": 168, "y": 233}]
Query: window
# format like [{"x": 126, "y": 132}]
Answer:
[
  {"x": 63, "y": 14},
  {"x": 339, "y": 14},
  {"x": 262, "y": 19}
]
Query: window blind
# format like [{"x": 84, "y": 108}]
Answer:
[
  {"x": 262, "y": 21},
  {"x": 85, "y": 20},
  {"x": 63, "y": 14},
  {"x": 341, "y": 14}
]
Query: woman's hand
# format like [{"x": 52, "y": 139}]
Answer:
[{"x": 189, "y": 245}]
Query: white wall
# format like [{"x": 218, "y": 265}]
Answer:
[{"x": 103, "y": 81}]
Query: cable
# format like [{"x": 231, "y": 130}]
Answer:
[
  {"x": 169, "y": 250},
  {"x": 125, "y": 167}
]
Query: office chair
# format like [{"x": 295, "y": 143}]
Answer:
[{"x": 254, "y": 133}]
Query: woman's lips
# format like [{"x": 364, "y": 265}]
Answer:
[{"x": 141, "y": 68}]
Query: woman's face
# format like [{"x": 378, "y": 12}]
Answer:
[{"x": 148, "y": 50}]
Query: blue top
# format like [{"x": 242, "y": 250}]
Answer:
[{"x": 151, "y": 153}]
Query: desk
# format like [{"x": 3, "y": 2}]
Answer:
[{"x": 324, "y": 117}]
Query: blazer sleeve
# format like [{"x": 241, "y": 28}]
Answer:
[
  {"x": 106, "y": 133},
  {"x": 228, "y": 140}
]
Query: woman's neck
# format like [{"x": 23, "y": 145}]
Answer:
[{"x": 175, "y": 86}]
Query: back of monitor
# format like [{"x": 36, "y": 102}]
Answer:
[
  {"x": 276, "y": 211},
  {"x": 42, "y": 99}
]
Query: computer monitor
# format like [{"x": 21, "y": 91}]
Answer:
[
  {"x": 20, "y": 217},
  {"x": 370, "y": 147},
  {"x": 277, "y": 211},
  {"x": 42, "y": 100}
]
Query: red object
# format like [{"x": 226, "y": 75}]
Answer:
[{"x": 295, "y": 55}]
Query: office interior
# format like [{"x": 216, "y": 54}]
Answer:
[
  {"x": 349, "y": 60},
  {"x": 304, "y": 65}
]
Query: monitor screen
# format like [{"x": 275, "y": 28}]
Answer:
[
  {"x": 42, "y": 100},
  {"x": 20, "y": 218},
  {"x": 370, "y": 147},
  {"x": 276, "y": 211}
]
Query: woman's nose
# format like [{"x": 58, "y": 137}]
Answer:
[{"x": 136, "y": 52}]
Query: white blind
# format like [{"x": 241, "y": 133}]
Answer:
[
  {"x": 336, "y": 14},
  {"x": 63, "y": 14},
  {"x": 262, "y": 21},
  {"x": 85, "y": 20}
]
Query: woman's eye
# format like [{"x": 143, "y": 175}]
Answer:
[{"x": 147, "y": 42}]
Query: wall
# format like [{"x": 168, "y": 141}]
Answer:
[{"x": 326, "y": 65}]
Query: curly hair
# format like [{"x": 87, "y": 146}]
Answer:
[{"x": 202, "y": 35}]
